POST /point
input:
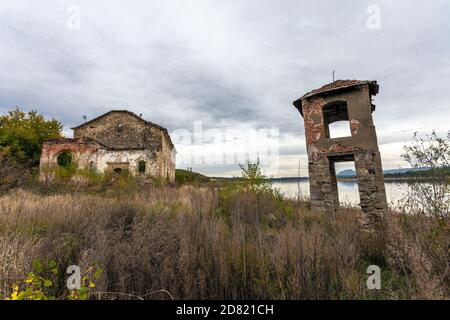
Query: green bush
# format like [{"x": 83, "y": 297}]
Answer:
[
  {"x": 47, "y": 282},
  {"x": 22, "y": 135}
]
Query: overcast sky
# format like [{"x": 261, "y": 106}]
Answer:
[{"x": 229, "y": 64}]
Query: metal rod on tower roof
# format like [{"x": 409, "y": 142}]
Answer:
[{"x": 333, "y": 75}]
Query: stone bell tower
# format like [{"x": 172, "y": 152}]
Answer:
[{"x": 343, "y": 100}]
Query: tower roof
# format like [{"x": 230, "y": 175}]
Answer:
[{"x": 334, "y": 87}]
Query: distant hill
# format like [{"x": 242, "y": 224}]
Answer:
[
  {"x": 399, "y": 171},
  {"x": 289, "y": 179},
  {"x": 347, "y": 174},
  {"x": 350, "y": 173},
  {"x": 185, "y": 176}
]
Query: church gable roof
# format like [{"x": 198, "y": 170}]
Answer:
[{"x": 131, "y": 114}]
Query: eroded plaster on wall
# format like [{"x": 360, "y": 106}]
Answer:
[
  {"x": 361, "y": 147},
  {"x": 117, "y": 139}
]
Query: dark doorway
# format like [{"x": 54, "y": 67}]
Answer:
[
  {"x": 64, "y": 159},
  {"x": 118, "y": 170},
  {"x": 141, "y": 166},
  {"x": 92, "y": 166}
]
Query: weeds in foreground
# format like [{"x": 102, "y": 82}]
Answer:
[
  {"x": 237, "y": 240},
  {"x": 191, "y": 243},
  {"x": 41, "y": 284}
]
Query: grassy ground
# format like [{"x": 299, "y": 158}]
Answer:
[{"x": 223, "y": 241}]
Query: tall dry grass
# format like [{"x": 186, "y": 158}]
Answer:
[{"x": 205, "y": 243}]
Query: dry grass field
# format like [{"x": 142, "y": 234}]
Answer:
[{"x": 217, "y": 242}]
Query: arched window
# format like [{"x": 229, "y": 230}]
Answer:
[
  {"x": 336, "y": 120},
  {"x": 141, "y": 166},
  {"x": 92, "y": 166},
  {"x": 64, "y": 159},
  {"x": 117, "y": 170}
]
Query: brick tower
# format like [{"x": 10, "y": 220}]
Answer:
[{"x": 343, "y": 100}]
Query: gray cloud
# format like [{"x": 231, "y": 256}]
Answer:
[{"x": 233, "y": 63}]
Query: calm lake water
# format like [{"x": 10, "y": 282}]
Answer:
[{"x": 348, "y": 191}]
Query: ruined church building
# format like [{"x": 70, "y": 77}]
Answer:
[
  {"x": 116, "y": 141},
  {"x": 121, "y": 140}
]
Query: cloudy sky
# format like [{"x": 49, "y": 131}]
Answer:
[{"x": 227, "y": 65}]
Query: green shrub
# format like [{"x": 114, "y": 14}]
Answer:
[
  {"x": 46, "y": 281},
  {"x": 22, "y": 135}
]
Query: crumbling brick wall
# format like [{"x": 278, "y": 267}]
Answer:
[
  {"x": 354, "y": 98},
  {"x": 117, "y": 140},
  {"x": 121, "y": 130},
  {"x": 83, "y": 151}
]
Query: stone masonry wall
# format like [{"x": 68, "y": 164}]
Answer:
[
  {"x": 120, "y": 130},
  {"x": 361, "y": 147},
  {"x": 133, "y": 139},
  {"x": 123, "y": 141},
  {"x": 82, "y": 151}
]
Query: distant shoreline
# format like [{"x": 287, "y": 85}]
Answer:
[
  {"x": 355, "y": 179},
  {"x": 341, "y": 179}
]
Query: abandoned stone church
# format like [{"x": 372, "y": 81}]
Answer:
[{"x": 115, "y": 141}]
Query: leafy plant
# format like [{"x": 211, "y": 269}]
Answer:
[
  {"x": 430, "y": 197},
  {"x": 87, "y": 284},
  {"x": 253, "y": 178},
  {"x": 41, "y": 284},
  {"x": 22, "y": 135},
  {"x": 38, "y": 284}
]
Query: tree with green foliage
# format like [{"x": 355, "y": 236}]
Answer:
[
  {"x": 431, "y": 196},
  {"x": 253, "y": 178},
  {"x": 22, "y": 135}
]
